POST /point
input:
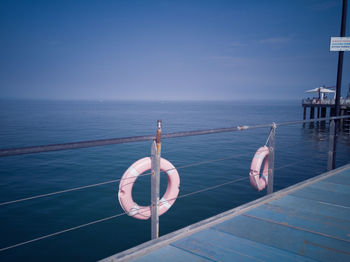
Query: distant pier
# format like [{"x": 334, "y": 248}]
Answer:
[{"x": 321, "y": 108}]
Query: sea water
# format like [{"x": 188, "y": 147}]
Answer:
[{"x": 301, "y": 153}]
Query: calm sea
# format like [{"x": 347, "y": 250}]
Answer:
[{"x": 26, "y": 123}]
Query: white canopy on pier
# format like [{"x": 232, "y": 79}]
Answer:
[{"x": 320, "y": 90}]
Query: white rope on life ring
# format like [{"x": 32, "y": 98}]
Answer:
[
  {"x": 128, "y": 179},
  {"x": 259, "y": 182}
]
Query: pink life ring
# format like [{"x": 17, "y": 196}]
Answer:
[
  {"x": 128, "y": 179},
  {"x": 259, "y": 183}
]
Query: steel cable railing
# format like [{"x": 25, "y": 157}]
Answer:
[
  {"x": 113, "y": 141},
  {"x": 114, "y": 216},
  {"x": 116, "y": 180},
  {"x": 61, "y": 232},
  {"x": 124, "y": 213},
  {"x": 65, "y": 191}
]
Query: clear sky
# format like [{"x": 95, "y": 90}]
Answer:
[{"x": 168, "y": 50}]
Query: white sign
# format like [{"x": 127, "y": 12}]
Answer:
[{"x": 340, "y": 44}]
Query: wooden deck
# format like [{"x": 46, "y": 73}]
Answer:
[{"x": 309, "y": 221}]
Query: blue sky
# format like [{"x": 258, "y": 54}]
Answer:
[{"x": 168, "y": 50}]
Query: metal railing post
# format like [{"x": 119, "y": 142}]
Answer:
[
  {"x": 331, "y": 152},
  {"x": 271, "y": 159},
  {"x": 155, "y": 181}
]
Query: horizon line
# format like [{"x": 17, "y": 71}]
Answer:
[{"x": 148, "y": 100}]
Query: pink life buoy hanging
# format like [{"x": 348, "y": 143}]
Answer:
[
  {"x": 128, "y": 179},
  {"x": 259, "y": 182}
]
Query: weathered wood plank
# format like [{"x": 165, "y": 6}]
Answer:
[
  {"x": 221, "y": 246},
  {"x": 171, "y": 254},
  {"x": 324, "y": 196},
  {"x": 319, "y": 224},
  {"x": 287, "y": 238},
  {"x": 332, "y": 187},
  {"x": 339, "y": 179},
  {"x": 313, "y": 206}
]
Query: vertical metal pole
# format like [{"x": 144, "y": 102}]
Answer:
[
  {"x": 155, "y": 181},
  {"x": 331, "y": 152},
  {"x": 271, "y": 159},
  {"x": 340, "y": 61},
  {"x": 339, "y": 78}
]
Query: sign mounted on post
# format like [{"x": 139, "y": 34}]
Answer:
[{"x": 340, "y": 44}]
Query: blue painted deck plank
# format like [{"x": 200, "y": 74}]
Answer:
[
  {"x": 341, "y": 178},
  {"x": 332, "y": 187},
  {"x": 170, "y": 253},
  {"x": 313, "y": 206},
  {"x": 221, "y": 246},
  {"x": 287, "y": 238},
  {"x": 323, "y": 195},
  {"x": 316, "y": 223}
]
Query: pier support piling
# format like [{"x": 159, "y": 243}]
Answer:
[
  {"x": 312, "y": 116},
  {"x": 312, "y": 112},
  {"x": 323, "y": 115}
]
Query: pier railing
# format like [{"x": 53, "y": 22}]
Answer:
[
  {"x": 325, "y": 101},
  {"x": 124, "y": 140},
  {"x": 155, "y": 172}
]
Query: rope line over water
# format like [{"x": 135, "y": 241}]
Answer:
[
  {"x": 145, "y": 174},
  {"x": 273, "y": 127},
  {"x": 62, "y": 231},
  {"x": 124, "y": 213},
  {"x": 114, "y": 216},
  {"x": 115, "y": 180},
  {"x": 213, "y": 187},
  {"x": 209, "y": 161},
  {"x": 292, "y": 164},
  {"x": 66, "y": 191}
]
